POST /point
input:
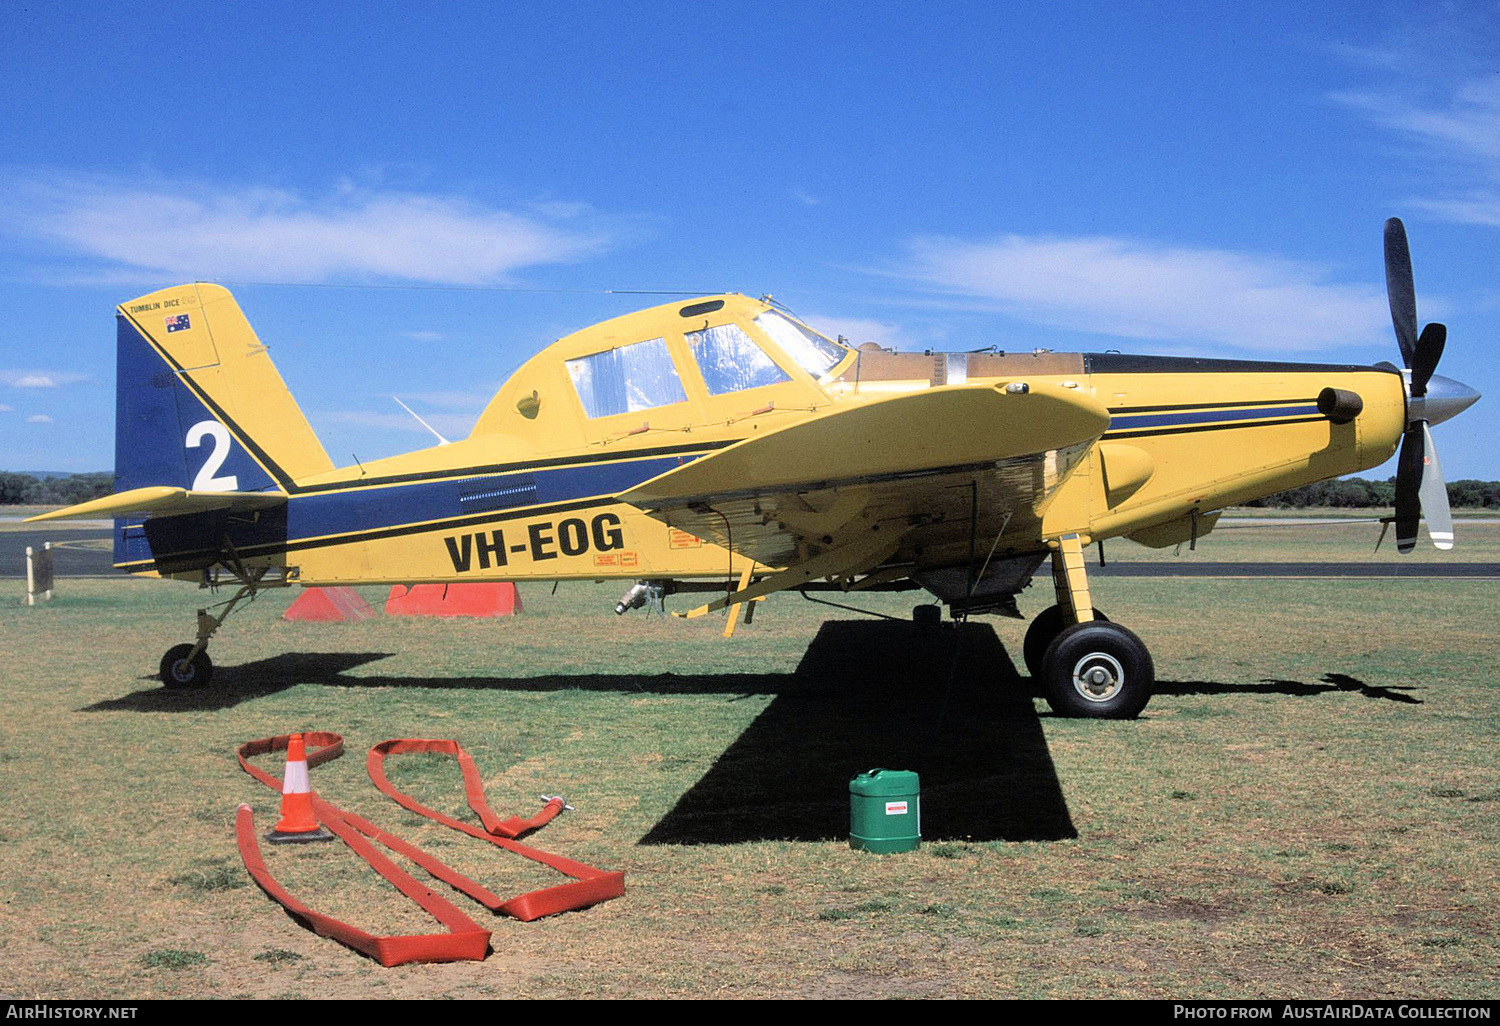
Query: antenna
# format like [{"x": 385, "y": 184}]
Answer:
[{"x": 429, "y": 427}]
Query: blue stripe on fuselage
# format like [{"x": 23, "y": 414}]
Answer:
[
  {"x": 311, "y": 516},
  {"x": 1130, "y": 421},
  {"x": 361, "y": 511}
]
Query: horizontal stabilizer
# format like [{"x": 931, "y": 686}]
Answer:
[
  {"x": 925, "y": 433},
  {"x": 162, "y": 501}
]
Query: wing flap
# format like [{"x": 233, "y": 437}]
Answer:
[{"x": 162, "y": 501}]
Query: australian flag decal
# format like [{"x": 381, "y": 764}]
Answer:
[{"x": 178, "y": 323}]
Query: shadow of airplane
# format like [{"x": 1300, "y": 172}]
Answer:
[
  {"x": 1332, "y": 684},
  {"x": 235, "y": 684},
  {"x": 870, "y": 695},
  {"x": 866, "y": 694}
]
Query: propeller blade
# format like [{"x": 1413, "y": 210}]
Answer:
[
  {"x": 1425, "y": 361},
  {"x": 1399, "y": 288},
  {"x": 1434, "y": 495},
  {"x": 1408, "y": 486}
]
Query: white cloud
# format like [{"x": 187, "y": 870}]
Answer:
[
  {"x": 452, "y": 400},
  {"x": 1462, "y": 134},
  {"x": 449, "y": 425},
  {"x": 563, "y": 209},
  {"x": 39, "y": 418},
  {"x": 1476, "y": 208},
  {"x": 1467, "y": 126},
  {"x": 424, "y": 336},
  {"x": 805, "y": 198},
  {"x": 7, "y": 409},
  {"x": 39, "y": 379},
  {"x": 188, "y": 231},
  {"x": 1145, "y": 290},
  {"x": 857, "y": 331}
]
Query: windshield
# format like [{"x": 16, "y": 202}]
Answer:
[{"x": 812, "y": 351}]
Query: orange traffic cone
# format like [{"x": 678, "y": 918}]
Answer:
[{"x": 299, "y": 823}]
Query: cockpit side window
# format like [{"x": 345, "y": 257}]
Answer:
[
  {"x": 639, "y": 376},
  {"x": 732, "y": 361}
]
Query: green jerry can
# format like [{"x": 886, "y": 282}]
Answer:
[{"x": 885, "y": 811}]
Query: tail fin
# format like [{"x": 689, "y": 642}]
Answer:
[{"x": 198, "y": 404}]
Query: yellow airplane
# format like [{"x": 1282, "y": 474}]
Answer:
[{"x": 723, "y": 437}]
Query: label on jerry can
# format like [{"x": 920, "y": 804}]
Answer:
[{"x": 895, "y": 808}]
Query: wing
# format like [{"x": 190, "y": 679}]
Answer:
[
  {"x": 163, "y": 501},
  {"x": 917, "y": 476}
]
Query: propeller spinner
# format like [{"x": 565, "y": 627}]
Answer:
[{"x": 1430, "y": 399}]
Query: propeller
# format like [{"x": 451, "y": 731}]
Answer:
[{"x": 1420, "y": 488}]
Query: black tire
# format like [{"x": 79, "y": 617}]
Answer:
[
  {"x": 178, "y": 672},
  {"x": 1045, "y": 626},
  {"x": 927, "y": 615},
  {"x": 1099, "y": 670}
]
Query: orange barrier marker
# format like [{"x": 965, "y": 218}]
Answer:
[
  {"x": 329, "y": 605},
  {"x": 499, "y": 598},
  {"x": 299, "y": 823}
]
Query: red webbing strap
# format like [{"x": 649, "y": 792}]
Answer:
[
  {"x": 322, "y": 747},
  {"x": 512, "y": 828},
  {"x": 466, "y": 939},
  {"x": 590, "y": 885}
]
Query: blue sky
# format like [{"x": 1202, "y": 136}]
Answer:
[{"x": 1206, "y": 179}]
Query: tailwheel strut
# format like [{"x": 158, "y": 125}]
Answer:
[
  {"x": 188, "y": 665},
  {"x": 1087, "y": 665}
]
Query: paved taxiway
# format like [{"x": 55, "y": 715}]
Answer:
[{"x": 85, "y": 552}]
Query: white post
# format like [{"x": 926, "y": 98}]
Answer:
[{"x": 39, "y": 574}]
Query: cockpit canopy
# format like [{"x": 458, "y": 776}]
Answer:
[{"x": 664, "y": 369}]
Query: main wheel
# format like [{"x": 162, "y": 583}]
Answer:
[
  {"x": 1045, "y": 626},
  {"x": 1098, "y": 669},
  {"x": 178, "y": 671}
]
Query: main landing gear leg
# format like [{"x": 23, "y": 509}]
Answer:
[
  {"x": 188, "y": 666},
  {"x": 1087, "y": 665}
]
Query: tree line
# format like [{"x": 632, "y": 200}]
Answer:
[
  {"x": 1357, "y": 493},
  {"x": 1346, "y": 493},
  {"x": 29, "y": 490}
]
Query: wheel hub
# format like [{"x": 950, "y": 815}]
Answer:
[{"x": 1098, "y": 676}]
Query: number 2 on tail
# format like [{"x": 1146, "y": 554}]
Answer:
[{"x": 207, "y": 479}]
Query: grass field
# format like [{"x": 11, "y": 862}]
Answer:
[
  {"x": 1309, "y": 807},
  {"x": 1326, "y": 539}
]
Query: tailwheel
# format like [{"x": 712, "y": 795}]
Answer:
[
  {"x": 1097, "y": 669},
  {"x": 181, "y": 668},
  {"x": 1046, "y": 626},
  {"x": 188, "y": 666}
]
